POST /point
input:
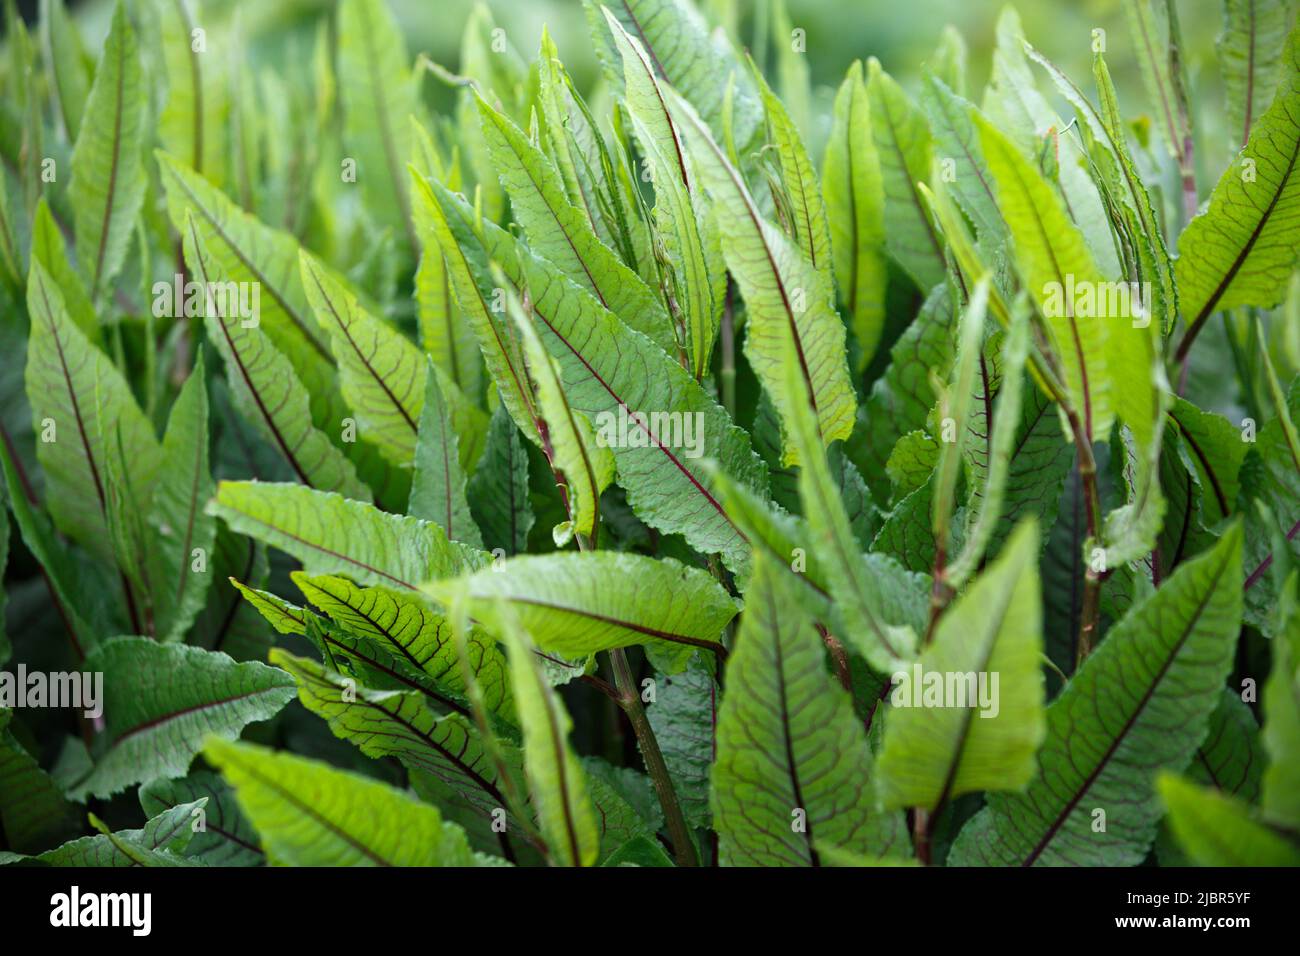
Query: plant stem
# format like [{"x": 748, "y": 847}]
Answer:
[
  {"x": 728, "y": 353},
  {"x": 678, "y": 830},
  {"x": 1092, "y": 503},
  {"x": 921, "y": 835}
]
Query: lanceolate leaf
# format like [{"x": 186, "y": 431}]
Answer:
[
  {"x": 160, "y": 842},
  {"x": 584, "y": 465},
  {"x": 957, "y": 139},
  {"x": 902, "y": 141},
  {"x": 334, "y": 535},
  {"x": 990, "y": 640},
  {"x": 498, "y": 489},
  {"x": 555, "y": 777},
  {"x": 789, "y": 302},
  {"x": 1161, "y": 668},
  {"x": 48, "y": 247},
  {"x": 69, "y": 66},
  {"x": 63, "y": 578},
  {"x": 559, "y": 233},
  {"x": 161, "y": 701},
  {"x": 809, "y": 225},
  {"x": 855, "y": 211},
  {"x": 682, "y": 220},
  {"x": 33, "y": 811},
  {"x": 454, "y": 226},
  {"x": 858, "y": 594},
  {"x": 82, "y": 407},
  {"x": 1254, "y": 33},
  {"x": 695, "y": 63},
  {"x": 438, "y": 486},
  {"x": 1051, "y": 252},
  {"x": 309, "y": 814},
  {"x": 403, "y": 626},
  {"x": 400, "y": 725},
  {"x": 792, "y": 762},
  {"x": 227, "y": 839},
  {"x": 1217, "y": 829},
  {"x": 1240, "y": 250},
  {"x": 382, "y": 374},
  {"x": 379, "y": 95},
  {"x": 603, "y": 365},
  {"x": 186, "y": 533},
  {"x": 577, "y": 604},
  {"x": 108, "y": 178},
  {"x": 194, "y": 121},
  {"x": 269, "y": 393}
]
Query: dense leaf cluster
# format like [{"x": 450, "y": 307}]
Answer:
[{"x": 662, "y": 473}]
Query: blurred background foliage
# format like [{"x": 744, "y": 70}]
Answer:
[{"x": 902, "y": 35}]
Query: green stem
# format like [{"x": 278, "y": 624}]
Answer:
[{"x": 678, "y": 830}]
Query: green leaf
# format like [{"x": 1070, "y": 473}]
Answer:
[
  {"x": 1054, "y": 261},
  {"x": 858, "y": 596},
  {"x": 309, "y": 814},
  {"x": 400, "y": 725},
  {"x": 69, "y": 66},
  {"x": 559, "y": 233},
  {"x": 185, "y": 532},
  {"x": 64, "y": 578},
  {"x": 992, "y": 633},
  {"x": 681, "y": 218},
  {"x": 956, "y": 138},
  {"x": 855, "y": 198},
  {"x": 445, "y": 218},
  {"x": 379, "y": 95},
  {"x": 81, "y": 401},
  {"x": 1162, "y": 668},
  {"x": 161, "y": 700},
  {"x": 330, "y": 534},
  {"x": 33, "y": 811},
  {"x": 1240, "y": 250},
  {"x": 1280, "y": 800},
  {"x": 575, "y": 604},
  {"x": 683, "y": 716},
  {"x": 49, "y": 248},
  {"x": 194, "y": 121},
  {"x": 382, "y": 374},
  {"x": 160, "y": 842},
  {"x": 698, "y": 64},
  {"x": 227, "y": 838},
  {"x": 445, "y": 333},
  {"x": 1250, "y": 57},
  {"x": 1216, "y": 450},
  {"x": 267, "y": 389},
  {"x": 792, "y": 761},
  {"x": 901, "y": 399},
  {"x": 108, "y": 178},
  {"x": 808, "y": 220},
  {"x": 1217, "y": 829},
  {"x": 583, "y": 466},
  {"x": 556, "y": 780},
  {"x": 641, "y": 399},
  {"x": 498, "y": 489},
  {"x": 1153, "y": 40},
  {"x": 438, "y": 486},
  {"x": 902, "y": 140},
  {"x": 403, "y": 627},
  {"x": 789, "y": 303}
]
